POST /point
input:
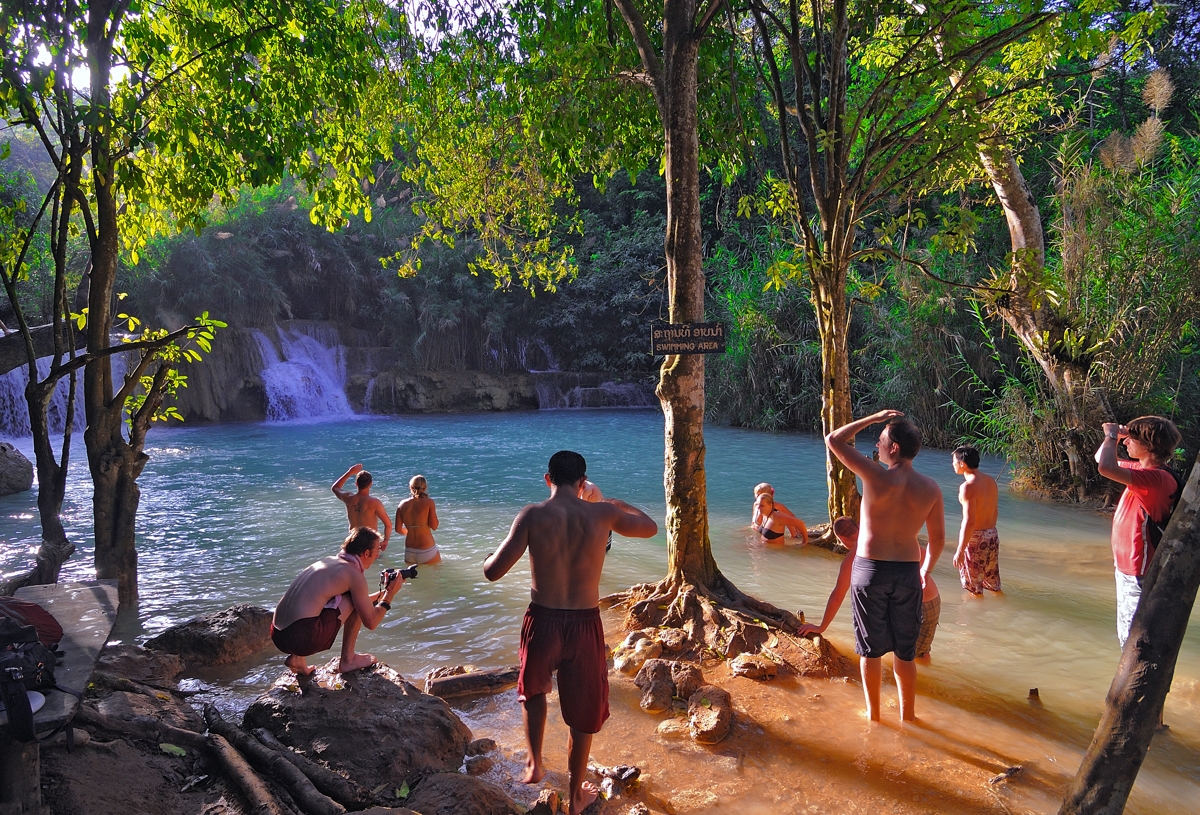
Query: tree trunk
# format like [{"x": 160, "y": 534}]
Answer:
[
  {"x": 681, "y": 387},
  {"x": 1147, "y": 666},
  {"x": 1036, "y": 326},
  {"x": 833, "y": 326},
  {"x": 114, "y": 465}
]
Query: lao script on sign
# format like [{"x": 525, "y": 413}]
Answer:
[{"x": 687, "y": 338}]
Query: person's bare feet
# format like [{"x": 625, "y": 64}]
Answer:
[
  {"x": 534, "y": 771},
  {"x": 587, "y": 795},
  {"x": 298, "y": 665},
  {"x": 355, "y": 663}
]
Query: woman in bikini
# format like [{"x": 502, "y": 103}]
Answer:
[
  {"x": 417, "y": 517},
  {"x": 772, "y": 521}
]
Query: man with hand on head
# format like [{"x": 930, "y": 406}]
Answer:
[
  {"x": 363, "y": 509},
  {"x": 888, "y": 574},
  {"x": 562, "y": 631}
]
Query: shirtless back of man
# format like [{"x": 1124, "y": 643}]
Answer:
[
  {"x": 897, "y": 502},
  {"x": 362, "y": 508}
]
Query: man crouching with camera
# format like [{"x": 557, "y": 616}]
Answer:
[{"x": 330, "y": 592}]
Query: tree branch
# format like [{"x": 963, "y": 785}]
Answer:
[{"x": 650, "y": 61}]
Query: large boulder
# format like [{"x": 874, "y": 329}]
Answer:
[
  {"x": 139, "y": 664},
  {"x": 371, "y": 724},
  {"x": 125, "y": 706},
  {"x": 457, "y": 794},
  {"x": 219, "y": 638},
  {"x": 657, "y": 688},
  {"x": 710, "y": 711},
  {"x": 16, "y": 471}
]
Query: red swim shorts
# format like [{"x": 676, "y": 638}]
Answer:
[
  {"x": 570, "y": 641},
  {"x": 310, "y": 635}
]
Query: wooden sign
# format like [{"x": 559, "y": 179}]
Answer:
[{"x": 687, "y": 338}]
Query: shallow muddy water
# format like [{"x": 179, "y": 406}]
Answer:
[{"x": 230, "y": 513}]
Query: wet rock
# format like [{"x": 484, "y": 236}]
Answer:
[
  {"x": 447, "y": 670},
  {"x": 631, "y": 655},
  {"x": 547, "y": 803},
  {"x": 457, "y": 794},
  {"x": 377, "y": 728},
  {"x": 673, "y": 640},
  {"x": 753, "y": 666},
  {"x": 139, "y": 664},
  {"x": 480, "y": 746},
  {"x": 639, "y": 809},
  {"x": 657, "y": 688},
  {"x": 16, "y": 471},
  {"x": 687, "y": 679},
  {"x": 815, "y": 657},
  {"x": 126, "y": 706},
  {"x": 478, "y": 765},
  {"x": 674, "y": 728},
  {"x": 387, "y": 811},
  {"x": 217, "y": 639},
  {"x": 710, "y": 714}
]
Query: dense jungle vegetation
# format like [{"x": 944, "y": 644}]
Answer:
[{"x": 1113, "y": 164}]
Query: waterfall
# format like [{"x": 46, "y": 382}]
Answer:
[
  {"x": 369, "y": 395},
  {"x": 568, "y": 391},
  {"x": 14, "y": 410},
  {"x": 304, "y": 376}
]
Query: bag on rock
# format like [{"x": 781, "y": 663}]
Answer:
[{"x": 25, "y": 664}]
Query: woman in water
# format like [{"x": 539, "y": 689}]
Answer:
[
  {"x": 417, "y": 518},
  {"x": 771, "y": 520}
]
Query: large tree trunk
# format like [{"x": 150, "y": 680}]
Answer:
[
  {"x": 694, "y": 596},
  {"x": 681, "y": 387},
  {"x": 1147, "y": 666}
]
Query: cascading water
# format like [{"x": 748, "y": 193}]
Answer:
[
  {"x": 569, "y": 391},
  {"x": 14, "y": 410},
  {"x": 305, "y": 376}
]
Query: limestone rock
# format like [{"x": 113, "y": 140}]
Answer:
[
  {"x": 673, "y": 728},
  {"x": 219, "y": 638},
  {"x": 139, "y": 664},
  {"x": 630, "y": 655},
  {"x": 816, "y": 657},
  {"x": 657, "y": 689},
  {"x": 16, "y": 471},
  {"x": 547, "y": 803},
  {"x": 458, "y": 794},
  {"x": 673, "y": 640},
  {"x": 480, "y": 747},
  {"x": 478, "y": 765},
  {"x": 639, "y": 809},
  {"x": 687, "y": 678},
  {"x": 387, "y": 811},
  {"x": 378, "y": 728},
  {"x": 163, "y": 707},
  {"x": 710, "y": 711},
  {"x": 753, "y": 666}
]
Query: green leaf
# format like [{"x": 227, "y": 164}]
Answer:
[
  {"x": 402, "y": 791},
  {"x": 172, "y": 749}
]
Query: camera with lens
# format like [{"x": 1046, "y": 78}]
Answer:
[{"x": 388, "y": 575}]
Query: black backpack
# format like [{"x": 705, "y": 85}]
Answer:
[
  {"x": 1152, "y": 530},
  {"x": 25, "y": 664}
]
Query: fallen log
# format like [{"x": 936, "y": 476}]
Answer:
[
  {"x": 340, "y": 789},
  {"x": 491, "y": 680},
  {"x": 143, "y": 727},
  {"x": 266, "y": 760},
  {"x": 258, "y": 794}
]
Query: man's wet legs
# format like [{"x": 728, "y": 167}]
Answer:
[
  {"x": 534, "y": 713},
  {"x": 905, "y": 672},
  {"x": 583, "y": 794},
  {"x": 872, "y": 678}
]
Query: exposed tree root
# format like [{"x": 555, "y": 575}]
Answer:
[
  {"x": 822, "y": 535},
  {"x": 720, "y": 618}
]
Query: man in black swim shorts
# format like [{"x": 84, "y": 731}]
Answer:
[{"x": 889, "y": 572}]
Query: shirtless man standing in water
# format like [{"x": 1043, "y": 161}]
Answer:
[
  {"x": 361, "y": 508},
  {"x": 977, "y": 557},
  {"x": 888, "y": 574},
  {"x": 562, "y": 631}
]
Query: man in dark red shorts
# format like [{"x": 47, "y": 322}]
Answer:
[{"x": 566, "y": 538}]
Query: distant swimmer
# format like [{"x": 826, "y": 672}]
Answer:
[
  {"x": 797, "y": 530},
  {"x": 977, "y": 557},
  {"x": 888, "y": 576},
  {"x": 562, "y": 630},
  {"x": 362, "y": 509},
  {"x": 770, "y": 521},
  {"x": 417, "y": 517},
  {"x": 328, "y": 593}
]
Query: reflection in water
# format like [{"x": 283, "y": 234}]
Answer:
[{"x": 231, "y": 513}]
